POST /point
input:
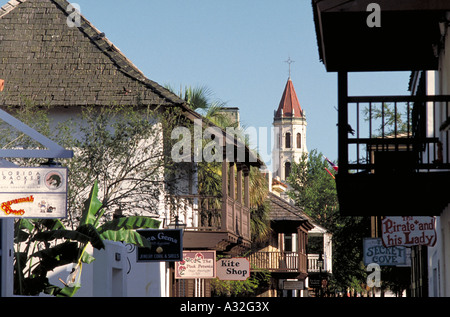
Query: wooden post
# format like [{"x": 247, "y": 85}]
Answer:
[
  {"x": 239, "y": 183},
  {"x": 232, "y": 181},
  {"x": 247, "y": 187},
  {"x": 342, "y": 122},
  {"x": 224, "y": 225}
]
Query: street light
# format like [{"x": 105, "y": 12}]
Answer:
[
  {"x": 320, "y": 266},
  {"x": 320, "y": 263},
  {"x": 176, "y": 225}
]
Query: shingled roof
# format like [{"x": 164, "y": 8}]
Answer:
[
  {"x": 282, "y": 210},
  {"x": 289, "y": 106},
  {"x": 44, "y": 60}
]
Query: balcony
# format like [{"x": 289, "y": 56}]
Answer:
[
  {"x": 393, "y": 154},
  {"x": 313, "y": 264},
  {"x": 279, "y": 262},
  {"x": 219, "y": 223}
]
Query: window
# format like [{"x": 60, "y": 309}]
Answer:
[
  {"x": 299, "y": 140},
  {"x": 288, "y": 140},
  {"x": 287, "y": 242},
  {"x": 287, "y": 169}
]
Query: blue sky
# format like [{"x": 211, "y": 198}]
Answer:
[{"x": 238, "y": 50}]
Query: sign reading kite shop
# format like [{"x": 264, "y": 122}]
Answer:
[
  {"x": 408, "y": 231},
  {"x": 233, "y": 269},
  {"x": 33, "y": 192}
]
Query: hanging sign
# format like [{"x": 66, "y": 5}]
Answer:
[
  {"x": 33, "y": 192},
  {"x": 376, "y": 252},
  {"x": 408, "y": 231},
  {"x": 166, "y": 245},
  {"x": 196, "y": 264},
  {"x": 233, "y": 269}
]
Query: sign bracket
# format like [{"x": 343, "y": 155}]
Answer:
[{"x": 54, "y": 150}]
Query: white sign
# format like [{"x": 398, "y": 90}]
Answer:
[
  {"x": 376, "y": 252},
  {"x": 408, "y": 231},
  {"x": 33, "y": 192},
  {"x": 196, "y": 264},
  {"x": 233, "y": 269}
]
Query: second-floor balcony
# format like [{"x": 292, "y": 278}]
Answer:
[
  {"x": 279, "y": 262},
  {"x": 220, "y": 222},
  {"x": 314, "y": 265},
  {"x": 394, "y": 154}
]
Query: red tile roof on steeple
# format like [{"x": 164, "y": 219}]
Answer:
[{"x": 289, "y": 106}]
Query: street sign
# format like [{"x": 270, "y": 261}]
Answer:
[
  {"x": 233, "y": 269},
  {"x": 166, "y": 245},
  {"x": 33, "y": 192},
  {"x": 293, "y": 285}
]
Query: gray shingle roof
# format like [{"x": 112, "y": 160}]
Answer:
[
  {"x": 283, "y": 210},
  {"x": 44, "y": 60}
]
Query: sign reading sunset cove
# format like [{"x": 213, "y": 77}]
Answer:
[
  {"x": 408, "y": 231},
  {"x": 33, "y": 192}
]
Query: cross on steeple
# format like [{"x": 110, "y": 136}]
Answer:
[{"x": 289, "y": 61}]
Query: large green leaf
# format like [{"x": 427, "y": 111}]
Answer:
[
  {"x": 130, "y": 223},
  {"x": 94, "y": 237},
  {"x": 87, "y": 258},
  {"x": 127, "y": 236},
  {"x": 61, "y": 234},
  {"x": 52, "y": 224},
  {"x": 91, "y": 206},
  {"x": 61, "y": 254},
  {"x": 25, "y": 223},
  {"x": 68, "y": 291}
]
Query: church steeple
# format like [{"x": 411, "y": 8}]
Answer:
[
  {"x": 289, "y": 105},
  {"x": 290, "y": 130}
]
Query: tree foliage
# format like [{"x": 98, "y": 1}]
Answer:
[
  {"x": 120, "y": 150},
  {"x": 314, "y": 190},
  {"x": 43, "y": 245}
]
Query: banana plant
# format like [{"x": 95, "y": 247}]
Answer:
[{"x": 45, "y": 244}]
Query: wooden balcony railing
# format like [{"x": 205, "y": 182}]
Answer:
[{"x": 278, "y": 261}]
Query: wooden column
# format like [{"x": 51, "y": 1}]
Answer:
[
  {"x": 225, "y": 175},
  {"x": 246, "y": 186},
  {"x": 343, "y": 122},
  {"x": 232, "y": 181},
  {"x": 224, "y": 180},
  {"x": 239, "y": 183}
]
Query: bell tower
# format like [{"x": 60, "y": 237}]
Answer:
[{"x": 290, "y": 133}]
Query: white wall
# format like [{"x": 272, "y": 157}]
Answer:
[{"x": 439, "y": 255}]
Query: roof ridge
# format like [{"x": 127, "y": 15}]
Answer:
[
  {"x": 106, "y": 47},
  {"x": 115, "y": 54},
  {"x": 9, "y": 6}
]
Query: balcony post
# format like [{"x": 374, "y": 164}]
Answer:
[
  {"x": 247, "y": 186},
  {"x": 343, "y": 122},
  {"x": 239, "y": 183},
  {"x": 224, "y": 224}
]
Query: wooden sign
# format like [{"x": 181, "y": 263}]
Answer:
[
  {"x": 233, "y": 269},
  {"x": 196, "y": 264},
  {"x": 408, "y": 231}
]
